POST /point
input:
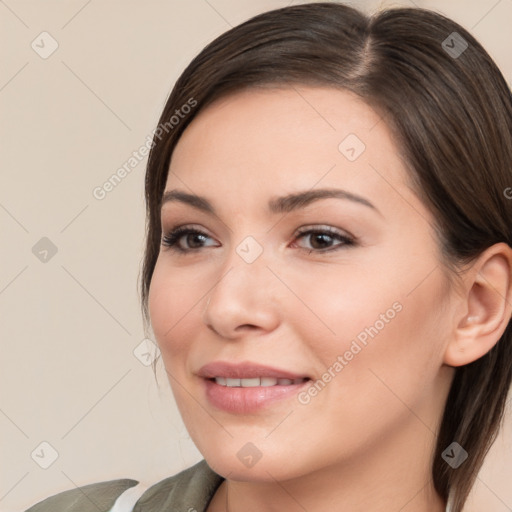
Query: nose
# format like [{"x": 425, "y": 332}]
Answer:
[{"x": 244, "y": 299}]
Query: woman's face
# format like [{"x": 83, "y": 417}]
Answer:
[{"x": 360, "y": 306}]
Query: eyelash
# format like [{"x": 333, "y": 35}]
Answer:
[{"x": 170, "y": 240}]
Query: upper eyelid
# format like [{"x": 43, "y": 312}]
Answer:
[
  {"x": 184, "y": 229},
  {"x": 298, "y": 231}
]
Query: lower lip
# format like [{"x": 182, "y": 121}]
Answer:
[{"x": 240, "y": 400}]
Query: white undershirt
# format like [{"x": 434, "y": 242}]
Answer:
[{"x": 126, "y": 501}]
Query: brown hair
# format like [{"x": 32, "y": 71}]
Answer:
[{"x": 450, "y": 110}]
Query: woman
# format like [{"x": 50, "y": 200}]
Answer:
[{"x": 328, "y": 266}]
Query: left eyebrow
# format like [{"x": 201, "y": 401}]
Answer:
[{"x": 276, "y": 205}]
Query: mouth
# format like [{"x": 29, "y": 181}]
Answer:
[
  {"x": 246, "y": 371},
  {"x": 248, "y": 387},
  {"x": 256, "y": 382}
]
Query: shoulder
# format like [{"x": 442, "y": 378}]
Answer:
[
  {"x": 88, "y": 498},
  {"x": 191, "y": 488}
]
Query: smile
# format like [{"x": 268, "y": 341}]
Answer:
[{"x": 257, "y": 382}]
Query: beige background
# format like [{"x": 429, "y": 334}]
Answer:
[{"x": 70, "y": 325}]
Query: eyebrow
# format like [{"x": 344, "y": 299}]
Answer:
[{"x": 276, "y": 205}]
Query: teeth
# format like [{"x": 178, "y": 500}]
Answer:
[
  {"x": 250, "y": 383},
  {"x": 255, "y": 382}
]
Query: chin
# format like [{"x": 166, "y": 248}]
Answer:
[
  {"x": 244, "y": 461},
  {"x": 261, "y": 471}
]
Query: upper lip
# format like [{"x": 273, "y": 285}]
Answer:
[{"x": 244, "y": 370}]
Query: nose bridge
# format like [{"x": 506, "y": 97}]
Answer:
[
  {"x": 243, "y": 294},
  {"x": 246, "y": 265},
  {"x": 250, "y": 250}
]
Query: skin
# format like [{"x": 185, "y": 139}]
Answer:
[{"x": 365, "y": 442}]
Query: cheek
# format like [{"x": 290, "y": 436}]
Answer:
[
  {"x": 342, "y": 303},
  {"x": 383, "y": 320},
  {"x": 400, "y": 361},
  {"x": 170, "y": 302}
]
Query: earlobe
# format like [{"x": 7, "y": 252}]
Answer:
[{"x": 487, "y": 308}]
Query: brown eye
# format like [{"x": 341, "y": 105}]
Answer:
[
  {"x": 192, "y": 237},
  {"x": 321, "y": 239}
]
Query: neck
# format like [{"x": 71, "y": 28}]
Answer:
[{"x": 392, "y": 474}]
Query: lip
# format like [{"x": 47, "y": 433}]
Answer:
[
  {"x": 245, "y": 370},
  {"x": 244, "y": 400}
]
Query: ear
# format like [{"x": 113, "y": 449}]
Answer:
[{"x": 486, "y": 309}]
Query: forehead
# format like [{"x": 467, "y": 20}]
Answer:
[
  {"x": 260, "y": 142},
  {"x": 298, "y": 112}
]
